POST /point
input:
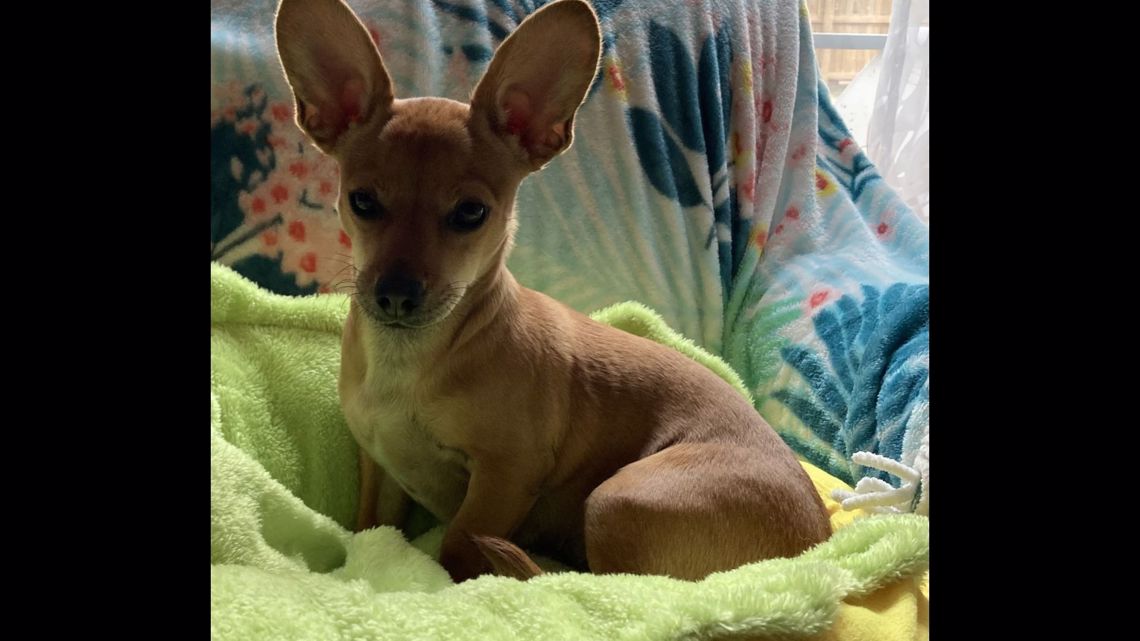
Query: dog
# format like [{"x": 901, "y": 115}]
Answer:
[{"x": 516, "y": 420}]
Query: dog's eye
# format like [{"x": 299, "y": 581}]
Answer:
[
  {"x": 467, "y": 216},
  {"x": 364, "y": 204}
]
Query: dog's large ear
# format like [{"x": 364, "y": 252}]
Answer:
[
  {"x": 538, "y": 79},
  {"x": 334, "y": 69}
]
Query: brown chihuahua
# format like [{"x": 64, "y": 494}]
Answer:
[{"x": 503, "y": 412}]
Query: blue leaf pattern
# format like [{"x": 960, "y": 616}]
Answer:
[
  {"x": 663, "y": 161},
  {"x": 675, "y": 79},
  {"x": 695, "y": 100},
  {"x": 873, "y": 374},
  {"x": 715, "y": 97}
]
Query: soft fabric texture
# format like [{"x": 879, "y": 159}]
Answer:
[
  {"x": 284, "y": 488},
  {"x": 710, "y": 178}
]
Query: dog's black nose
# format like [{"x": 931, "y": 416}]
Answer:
[{"x": 398, "y": 296}]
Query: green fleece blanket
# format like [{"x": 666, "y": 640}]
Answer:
[{"x": 284, "y": 489}]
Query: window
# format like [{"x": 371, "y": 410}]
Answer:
[{"x": 849, "y": 34}]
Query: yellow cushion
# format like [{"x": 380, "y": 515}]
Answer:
[{"x": 896, "y": 612}]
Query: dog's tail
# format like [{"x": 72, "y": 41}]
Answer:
[{"x": 506, "y": 558}]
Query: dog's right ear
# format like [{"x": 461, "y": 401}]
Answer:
[{"x": 333, "y": 67}]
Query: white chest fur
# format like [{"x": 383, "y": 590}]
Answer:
[{"x": 395, "y": 428}]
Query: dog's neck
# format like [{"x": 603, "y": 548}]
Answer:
[{"x": 489, "y": 302}]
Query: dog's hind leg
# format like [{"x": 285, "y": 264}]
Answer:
[{"x": 697, "y": 508}]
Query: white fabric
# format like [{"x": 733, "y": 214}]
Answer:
[{"x": 898, "y": 136}]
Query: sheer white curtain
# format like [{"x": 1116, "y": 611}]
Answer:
[
  {"x": 898, "y": 136},
  {"x": 893, "y": 122}
]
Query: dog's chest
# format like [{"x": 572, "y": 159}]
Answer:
[{"x": 401, "y": 433}]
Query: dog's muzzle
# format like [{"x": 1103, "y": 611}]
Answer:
[{"x": 399, "y": 297}]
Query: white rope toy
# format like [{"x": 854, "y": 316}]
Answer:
[{"x": 878, "y": 496}]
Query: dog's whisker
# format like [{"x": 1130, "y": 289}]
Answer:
[{"x": 342, "y": 270}]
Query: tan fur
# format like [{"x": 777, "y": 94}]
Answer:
[
  {"x": 500, "y": 410},
  {"x": 506, "y": 558}
]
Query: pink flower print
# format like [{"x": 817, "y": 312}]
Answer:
[
  {"x": 299, "y": 169},
  {"x": 885, "y": 229},
  {"x": 248, "y": 126},
  {"x": 314, "y": 180},
  {"x": 279, "y": 193},
  {"x": 816, "y": 300},
  {"x": 297, "y": 231},
  {"x": 308, "y": 262},
  {"x": 280, "y": 112},
  {"x": 311, "y": 245},
  {"x": 617, "y": 81},
  {"x": 748, "y": 187},
  {"x": 800, "y": 153},
  {"x": 373, "y": 31},
  {"x": 254, "y": 204},
  {"x": 848, "y": 149}
]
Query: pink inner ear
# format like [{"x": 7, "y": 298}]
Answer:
[
  {"x": 352, "y": 100},
  {"x": 332, "y": 118},
  {"x": 534, "y": 130},
  {"x": 517, "y": 106}
]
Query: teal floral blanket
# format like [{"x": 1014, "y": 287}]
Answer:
[{"x": 710, "y": 178}]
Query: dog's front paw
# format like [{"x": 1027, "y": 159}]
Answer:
[{"x": 461, "y": 558}]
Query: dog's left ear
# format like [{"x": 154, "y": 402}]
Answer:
[{"x": 538, "y": 79}]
